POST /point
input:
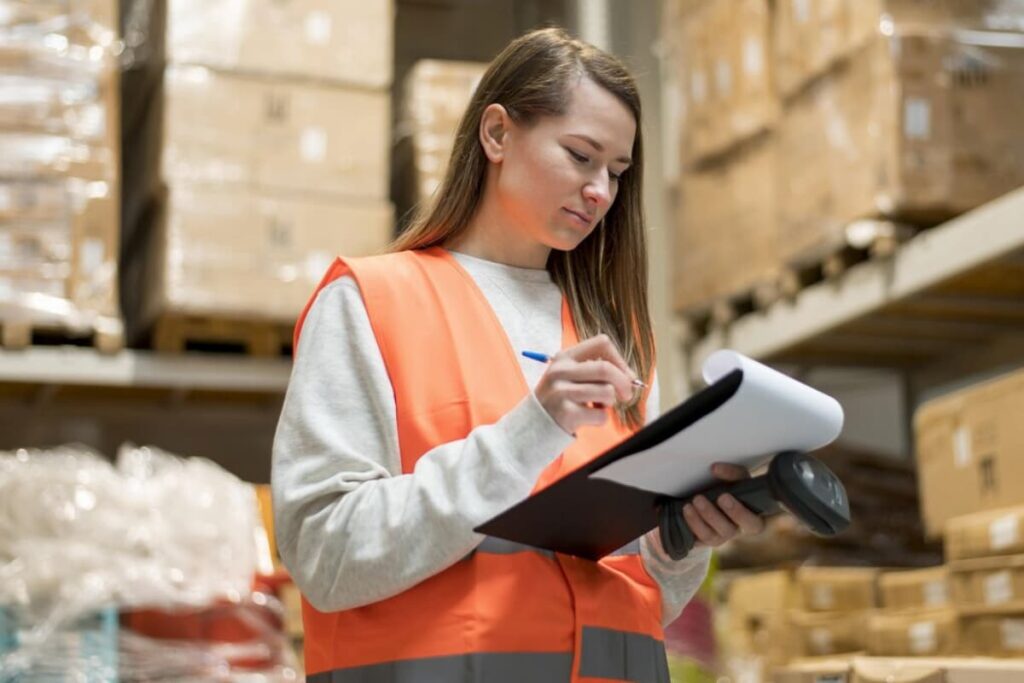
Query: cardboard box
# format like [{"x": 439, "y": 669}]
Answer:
[
  {"x": 810, "y": 37},
  {"x": 270, "y": 134},
  {"x": 345, "y": 41},
  {"x": 991, "y": 584},
  {"x": 903, "y": 670},
  {"x": 995, "y": 636},
  {"x": 831, "y": 589},
  {"x": 915, "y": 589},
  {"x": 435, "y": 96},
  {"x": 969, "y": 442},
  {"x": 914, "y": 633},
  {"x": 821, "y": 634},
  {"x": 985, "y": 534},
  {"x": 232, "y": 254},
  {"x": 917, "y": 127},
  {"x": 720, "y": 53},
  {"x": 758, "y": 606},
  {"x": 723, "y": 205}
]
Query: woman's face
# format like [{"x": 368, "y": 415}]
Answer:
[{"x": 559, "y": 176}]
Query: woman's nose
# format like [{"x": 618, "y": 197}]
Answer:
[{"x": 598, "y": 191}]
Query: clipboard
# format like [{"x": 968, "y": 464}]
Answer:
[
  {"x": 591, "y": 517},
  {"x": 747, "y": 414}
]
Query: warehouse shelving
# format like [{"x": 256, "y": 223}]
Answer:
[
  {"x": 948, "y": 303},
  {"x": 85, "y": 367}
]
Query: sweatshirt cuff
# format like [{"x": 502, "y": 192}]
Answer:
[{"x": 534, "y": 437}]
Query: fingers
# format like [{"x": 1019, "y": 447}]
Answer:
[
  {"x": 713, "y": 524},
  {"x": 600, "y": 347},
  {"x": 748, "y": 522}
]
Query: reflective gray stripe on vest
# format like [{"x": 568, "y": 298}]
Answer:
[
  {"x": 607, "y": 653},
  {"x": 499, "y": 546},
  {"x": 483, "y": 667}
]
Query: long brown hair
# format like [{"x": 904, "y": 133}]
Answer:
[{"x": 605, "y": 277}]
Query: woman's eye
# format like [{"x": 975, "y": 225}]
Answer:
[{"x": 577, "y": 156}]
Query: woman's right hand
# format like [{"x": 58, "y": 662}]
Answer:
[{"x": 582, "y": 381}]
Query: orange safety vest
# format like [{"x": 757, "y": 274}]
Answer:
[{"x": 506, "y": 612}]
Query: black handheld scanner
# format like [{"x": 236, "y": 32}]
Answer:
[{"x": 795, "y": 482}]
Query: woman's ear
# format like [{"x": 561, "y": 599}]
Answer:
[{"x": 494, "y": 125}]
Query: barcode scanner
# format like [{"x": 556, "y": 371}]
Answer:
[{"x": 795, "y": 482}]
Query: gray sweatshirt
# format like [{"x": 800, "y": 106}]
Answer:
[{"x": 351, "y": 528}]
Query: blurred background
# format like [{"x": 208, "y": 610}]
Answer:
[{"x": 833, "y": 188}]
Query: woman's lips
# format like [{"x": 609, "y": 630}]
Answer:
[{"x": 578, "y": 218}]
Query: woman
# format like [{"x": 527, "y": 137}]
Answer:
[{"x": 411, "y": 416}]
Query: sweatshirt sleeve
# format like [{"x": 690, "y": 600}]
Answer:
[
  {"x": 678, "y": 580},
  {"x": 352, "y": 528}
]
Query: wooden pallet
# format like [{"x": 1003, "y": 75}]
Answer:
[
  {"x": 722, "y": 311},
  {"x": 827, "y": 261},
  {"x": 178, "y": 333},
  {"x": 106, "y": 336}
]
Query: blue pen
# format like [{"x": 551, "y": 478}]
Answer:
[{"x": 544, "y": 358}]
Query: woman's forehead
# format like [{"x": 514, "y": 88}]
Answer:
[{"x": 596, "y": 115}]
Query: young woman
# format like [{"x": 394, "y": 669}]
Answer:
[{"x": 412, "y": 417}]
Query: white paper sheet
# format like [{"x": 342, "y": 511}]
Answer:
[{"x": 769, "y": 413}]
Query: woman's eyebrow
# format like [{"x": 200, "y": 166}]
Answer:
[{"x": 598, "y": 146}]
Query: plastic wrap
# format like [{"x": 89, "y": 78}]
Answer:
[
  {"x": 348, "y": 41},
  {"x": 434, "y": 98},
  {"x": 168, "y": 544},
  {"x": 59, "y": 176}
]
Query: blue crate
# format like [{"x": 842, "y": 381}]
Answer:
[{"x": 86, "y": 649}]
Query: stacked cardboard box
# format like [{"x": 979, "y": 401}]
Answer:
[
  {"x": 987, "y": 569},
  {"x": 836, "y": 603},
  {"x": 917, "y": 617},
  {"x": 59, "y": 175},
  {"x": 898, "y": 670},
  {"x": 896, "y": 110},
  {"x": 970, "y": 441},
  {"x": 918, "y": 124},
  {"x": 757, "y": 624},
  {"x": 274, "y": 138},
  {"x": 435, "y": 96},
  {"x": 719, "y": 53}
]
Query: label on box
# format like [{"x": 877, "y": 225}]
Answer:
[
  {"x": 698, "y": 86},
  {"x": 91, "y": 255},
  {"x": 1012, "y": 632},
  {"x": 1002, "y": 533},
  {"x": 822, "y": 596},
  {"x": 753, "y": 56},
  {"x": 802, "y": 10},
  {"x": 922, "y": 637},
  {"x": 962, "y": 455},
  {"x": 998, "y": 588},
  {"x": 723, "y": 77},
  {"x": 821, "y": 641},
  {"x": 917, "y": 118},
  {"x": 313, "y": 144},
  {"x": 317, "y": 263},
  {"x": 318, "y": 28},
  {"x": 935, "y": 593}
]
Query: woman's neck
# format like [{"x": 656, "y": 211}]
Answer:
[{"x": 490, "y": 236}]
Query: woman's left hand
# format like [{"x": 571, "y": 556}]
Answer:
[{"x": 714, "y": 524}]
